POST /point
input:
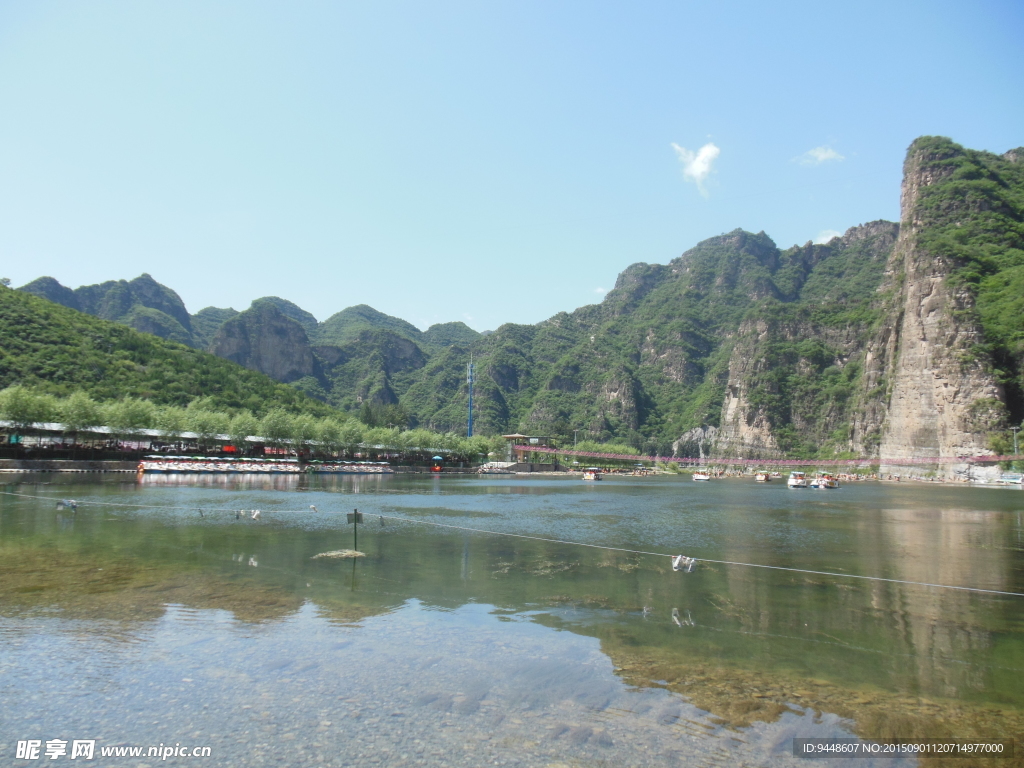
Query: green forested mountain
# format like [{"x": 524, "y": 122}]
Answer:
[
  {"x": 142, "y": 303},
  {"x": 443, "y": 335},
  {"x": 735, "y": 347},
  {"x": 52, "y": 348},
  {"x": 295, "y": 312},
  {"x": 346, "y": 325},
  {"x": 652, "y": 361}
]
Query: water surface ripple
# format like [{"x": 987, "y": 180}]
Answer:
[{"x": 142, "y": 626}]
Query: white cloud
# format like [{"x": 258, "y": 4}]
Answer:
[
  {"x": 468, "y": 316},
  {"x": 825, "y": 235},
  {"x": 600, "y": 290},
  {"x": 818, "y": 155},
  {"x": 697, "y": 165}
]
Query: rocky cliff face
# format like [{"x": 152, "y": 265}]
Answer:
[
  {"x": 263, "y": 339},
  {"x": 207, "y": 321},
  {"x": 697, "y": 443},
  {"x": 943, "y": 395},
  {"x": 795, "y": 366}
]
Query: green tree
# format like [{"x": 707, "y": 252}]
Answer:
[
  {"x": 415, "y": 441},
  {"x": 305, "y": 430},
  {"x": 130, "y": 416},
  {"x": 352, "y": 435},
  {"x": 381, "y": 438},
  {"x": 1001, "y": 444},
  {"x": 243, "y": 426},
  {"x": 458, "y": 446},
  {"x": 383, "y": 415},
  {"x": 329, "y": 434},
  {"x": 171, "y": 421},
  {"x": 368, "y": 414},
  {"x": 498, "y": 448},
  {"x": 478, "y": 448},
  {"x": 79, "y": 412},
  {"x": 207, "y": 425},
  {"x": 23, "y": 407},
  {"x": 589, "y": 446},
  {"x": 278, "y": 427}
]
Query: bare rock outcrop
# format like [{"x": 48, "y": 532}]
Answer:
[
  {"x": 943, "y": 398},
  {"x": 263, "y": 339},
  {"x": 746, "y": 430},
  {"x": 793, "y": 367},
  {"x": 696, "y": 443}
]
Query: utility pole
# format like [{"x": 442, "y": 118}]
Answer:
[
  {"x": 575, "y": 432},
  {"x": 469, "y": 381},
  {"x": 1015, "y": 431}
]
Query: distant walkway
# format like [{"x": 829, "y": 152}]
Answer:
[{"x": 863, "y": 461}]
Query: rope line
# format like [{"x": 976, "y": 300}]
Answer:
[
  {"x": 869, "y": 578},
  {"x": 525, "y": 536},
  {"x": 708, "y": 560},
  {"x": 562, "y": 541}
]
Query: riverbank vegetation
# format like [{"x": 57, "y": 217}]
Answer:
[
  {"x": 206, "y": 424},
  {"x": 58, "y": 351}
]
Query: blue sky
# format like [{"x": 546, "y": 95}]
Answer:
[{"x": 483, "y": 162}]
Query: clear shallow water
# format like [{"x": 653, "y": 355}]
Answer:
[{"x": 448, "y": 647}]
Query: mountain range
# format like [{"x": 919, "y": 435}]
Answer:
[{"x": 901, "y": 339}]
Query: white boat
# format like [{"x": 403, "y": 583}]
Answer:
[
  {"x": 825, "y": 481},
  {"x": 797, "y": 480},
  {"x": 591, "y": 473},
  {"x": 763, "y": 477},
  {"x": 701, "y": 476}
]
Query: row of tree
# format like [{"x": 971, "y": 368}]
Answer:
[{"x": 338, "y": 435}]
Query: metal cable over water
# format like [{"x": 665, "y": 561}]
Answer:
[{"x": 233, "y": 510}]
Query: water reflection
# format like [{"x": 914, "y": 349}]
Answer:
[
  {"x": 757, "y": 649},
  {"x": 368, "y": 483}
]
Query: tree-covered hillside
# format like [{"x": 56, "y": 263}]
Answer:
[
  {"x": 142, "y": 303},
  {"x": 652, "y": 361},
  {"x": 55, "y": 349}
]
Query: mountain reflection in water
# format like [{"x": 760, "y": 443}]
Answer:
[{"x": 453, "y": 647}]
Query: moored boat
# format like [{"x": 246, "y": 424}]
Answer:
[
  {"x": 591, "y": 473},
  {"x": 699, "y": 475},
  {"x": 174, "y": 465},
  {"x": 797, "y": 480},
  {"x": 825, "y": 481},
  {"x": 763, "y": 477}
]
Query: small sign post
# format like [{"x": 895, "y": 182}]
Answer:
[{"x": 355, "y": 517}]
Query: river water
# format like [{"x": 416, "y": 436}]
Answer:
[{"x": 140, "y": 621}]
